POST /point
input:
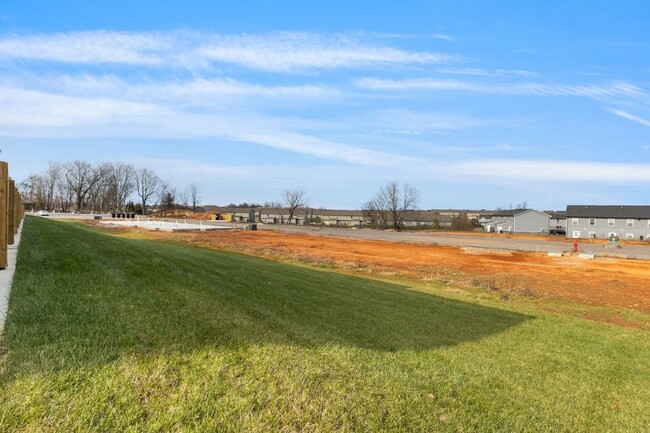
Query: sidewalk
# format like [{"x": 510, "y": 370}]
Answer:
[{"x": 7, "y": 276}]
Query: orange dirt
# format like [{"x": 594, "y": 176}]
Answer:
[{"x": 601, "y": 282}]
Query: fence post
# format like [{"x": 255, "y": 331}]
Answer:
[
  {"x": 17, "y": 212},
  {"x": 4, "y": 200},
  {"x": 11, "y": 210}
]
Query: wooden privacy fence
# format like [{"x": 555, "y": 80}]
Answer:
[{"x": 12, "y": 212}]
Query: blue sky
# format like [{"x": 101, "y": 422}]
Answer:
[{"x": 476, "y": 104}]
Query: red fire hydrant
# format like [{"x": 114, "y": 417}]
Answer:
[{"x": 575, "y": 247}]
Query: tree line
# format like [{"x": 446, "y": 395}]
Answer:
[{"x": 105, "y": 187}]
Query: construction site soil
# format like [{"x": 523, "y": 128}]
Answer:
[{"x": 620, "y": 285}]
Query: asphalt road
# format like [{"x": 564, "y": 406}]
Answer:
[{"x": 469, "y": 241}]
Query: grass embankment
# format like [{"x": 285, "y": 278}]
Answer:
[{"x": 111, "y": 334}]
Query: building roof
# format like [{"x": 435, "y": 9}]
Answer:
[
  {"x": 509, "y": 212},
  {"x": 338, "y": 212},
  {"x": 556, "y": 214},
  {"x": 597, "y": 211},
  {"x": 425, "y": 216}
]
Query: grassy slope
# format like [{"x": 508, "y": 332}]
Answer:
[{"x": 110, "y": 334}]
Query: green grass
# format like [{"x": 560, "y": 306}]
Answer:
[{"x": 111, "y": 334}]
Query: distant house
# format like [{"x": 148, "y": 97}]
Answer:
[
  {"x": 341, "y": 218},
  {"x": 626, "y": 222},
  {"x": 461, "y": 213},
  {"x": 424, "y": 218},
  {"x": 516, "y": 221},
  {"x": 300, "y": 216},
  {"x": 557, "y": 223}
]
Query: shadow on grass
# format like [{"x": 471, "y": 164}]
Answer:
[{"x": 81, "y": 297}]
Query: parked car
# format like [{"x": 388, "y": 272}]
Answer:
[{"x": 42, "y": 213}]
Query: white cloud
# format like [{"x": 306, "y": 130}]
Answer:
[
  {"x": 524, "y": 89},
  {"x": 276, "y": 52},
  {"x": 486, "y": 73},
  {"x": 286, "y": 52},
  {"x": 206, "y": 90},
  {"x": 39, "y": 114},
  {"x": 414, "y": 122},
  {"x": 195, "y": 91},
  {"x": 551, "y": 171},
  {"x": 632, "y": 117},
  {"x": 32, "y": 110},
  {"x": 89, "y": 47}
]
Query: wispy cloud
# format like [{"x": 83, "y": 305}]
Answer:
[
  {"x": 30, "y": 110},
  {"x": 39, "y": 114},
  {"x": 193, "y": 91},
  {"x": 274, "y": 52},
  {"x": 525, "y": 89},
  {"x": 632, "y": 117},
  {"x": 486, "y": 72},
  {"x": 286, "y": 51},
  {"x": 551, "y": 171},
  {"x": 441, "y": 36},
  {"x": 414, "y": 122},
  {"x": 204, "y": 90},
  {"x": 89, "y": 47}
]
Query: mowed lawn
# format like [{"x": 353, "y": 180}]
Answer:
[{"x": 107, "y": 334}]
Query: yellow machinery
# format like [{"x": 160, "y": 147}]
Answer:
[{"x": 221, "y": 217}]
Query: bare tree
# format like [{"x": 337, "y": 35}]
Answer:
[
  {"x": 293, "y": 199},
  {"x": 194, "y": 195},
  {"x": 33, "y": 190},
  {"x": 100, "y": 196},
  {"x": 391, "y": 204},
  {"x": 82, "y": 177},
  {"x": 183, "y": 198},
  {"x": 147, "y": 186},
  {"x": 121, "y": 182},
  {"x": 376, "y": 214},
  {"x": 53, "y": 177},
  {"x": 522, "y": 205},
  {"x": 166, "y": 196}
]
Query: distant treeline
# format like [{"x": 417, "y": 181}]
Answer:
[{"x": 106, "y": 187}]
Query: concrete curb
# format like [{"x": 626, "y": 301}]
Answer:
[{"x": 7, "y": 276}]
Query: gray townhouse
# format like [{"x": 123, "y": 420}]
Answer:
[
  {"x": 340, "y": 218},
  {"x": 601, "y": 222},
  {"x": 557, "y": 223},
  {"x": 423, "y": 218},
  {"x": 516, "y": 221}
]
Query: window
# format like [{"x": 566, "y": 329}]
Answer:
[
  {"x": 592, "y": 221},
  {"x": 574, "y": 221},
  {"x": 630, "y": 223},
  {"x": 592, "y": 235},
  {"x": 576, "y": 234},
  {"x": 629, "y": 235},
  {"x": 649, "y": 224},
  {"x": 610, "y": 222}
]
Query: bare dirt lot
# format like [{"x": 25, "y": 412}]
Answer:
[{"x": 618, "y": 284}]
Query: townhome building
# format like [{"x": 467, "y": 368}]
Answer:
[
  {"x": 516, "y": 221},
  {"x": 603, "y": 222}
]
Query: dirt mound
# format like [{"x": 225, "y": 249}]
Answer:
[{"x": 182, "y": 213}]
